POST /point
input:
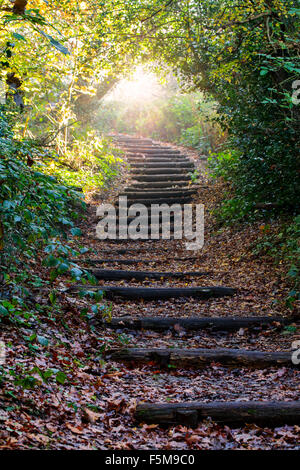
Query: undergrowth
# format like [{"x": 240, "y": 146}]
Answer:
[{"x": 39, "y": 209}]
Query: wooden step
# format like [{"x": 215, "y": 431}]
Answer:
[
  {"x": 163, "y": 165},
  {"x": 134, "y": 140},
  {"x": 144, "y": 159},
  {"x": 144, "y": 220},
  {"x": 141, "y": 157},
  {"x": 130, "y": 261},
  {"x": 186, "y": 358},
  {"x": 195, "y": 323},
  {"x": 124, "y": 251},
  {"x": 162, "y": 184},
  {"x": 154, "y": 151},
  {"x": 157, "y": 293},
  {"x": 162, "y": 171},
  {"x": 119, "y": 274},
  {"x": 145, "y": 146},
  {"x": 151, "y": 194},
  {"x": 172, "y": 178},
  {"x": 141, "y": 239},
  {"x": 231, "y": 413},
  {"x": 162, "y": 200}
]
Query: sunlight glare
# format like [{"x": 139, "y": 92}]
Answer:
[{"x": 142, "y": 86}]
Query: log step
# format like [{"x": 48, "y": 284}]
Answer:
[
  {"x": 144, "y": 145},
  {"x": 143, "y": 159},
  {"x": 172, "y": 178},
  {"x": 129, "y": 261},
  {"x": 126, "y": 220},
  {"x": 119, "y": 274},
  {"x": 194, "y": 323},
  {"x": 152, "y": 151},
  {"x": 161, "y": 200},
  {"x": 231, "y": 413},
  {"x": 140, "y": 194},
  {"x": 162, "y": 184},
  {"x": 145, "y": 227},
  {"x": 161, "y": 171},
  {"x": 171, "y": 164},
  {"x": 132, "y": 139},
  {"x": 157, "y": 293},
  {"x": 142, "y": 148},
  {"x": 140, "y": 239},
  {"x": 187, "y": 358}
]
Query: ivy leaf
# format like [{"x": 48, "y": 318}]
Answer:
[
  {"x": 76, "y": 232},
  {"x": 76, "y": 272}
]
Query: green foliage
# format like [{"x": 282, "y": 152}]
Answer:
[
  {"x": 37, "y": 215},
  {"x": 89, "y": 162},
  {"x": 284, "y": 247},
  {"x": 246, "y": 56},
  {"x": 34, "y": 206}
]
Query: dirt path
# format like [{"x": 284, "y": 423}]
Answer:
[
  {"x": 160, "y": 286},
  {"x": 191, "y": 368}
]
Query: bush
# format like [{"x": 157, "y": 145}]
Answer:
[{"x": 90, "y": 162}]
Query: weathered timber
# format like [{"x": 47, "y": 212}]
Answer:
[
  {"x": 162, "y": 165},
  {"x": 129, "y": 261},
  {"x": 152, "y": 151},
  {"x": 134, "y": 140},
  {"x": 203, "y": 357},
  {"x": 143, "y": 220},
  {"x": 147, "y": 194},
  {"x": 172, "y": 178},
  {"x": 143, "y": 159},
  {"x": 162, "y": 184},
  {"x": 234, "y": 413},
  {"x": 158, "y": 293},
  {"x": 162, "y": 171},
  {"x": 119, "y": 274},
  {"x": 161, "y": 200},
  {"x": 195, "y": 323}
]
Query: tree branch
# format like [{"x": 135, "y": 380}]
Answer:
[{"x": 158, "y": 11}]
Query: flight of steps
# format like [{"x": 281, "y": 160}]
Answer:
[{"x": 161, "y": 174}]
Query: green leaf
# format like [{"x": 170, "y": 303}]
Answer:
[
  {"x": 94, "y": 308},
  {"x": 51, "y": 261},
  {"x": 3, "y": 311},
  {"x": 53, "y": 274},
  {"x": 52, "y": 297},
  {"x": 47, "y": 374},
  {"x": 63, "y": 267},
  {"x": 76, "y": 272},
  {"x": 75, "y": 231},
  {"x": 42, "y": 340},
  {"x": 55, "y": 43},
  {"x": 19, "y": 37},
  {"x": 61, "y": 377}
]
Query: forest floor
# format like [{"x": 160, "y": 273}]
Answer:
[{"x": 89, "y": 403}]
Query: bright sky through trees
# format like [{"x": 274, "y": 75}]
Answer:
[{"x": 140, "y": 87}]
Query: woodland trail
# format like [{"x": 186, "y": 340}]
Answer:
[
  {"x": 161, "y": 174},
  {"x": 187, "y": 350}
]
